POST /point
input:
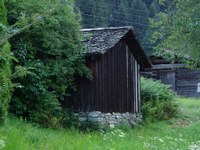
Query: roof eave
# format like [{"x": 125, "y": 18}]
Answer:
[{"x": 137, "y": 50}]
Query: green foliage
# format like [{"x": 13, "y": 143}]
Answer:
[
  {"x": 176, "y": 33},
  {"x": 93, "y": 12},
  {"x": 101, "y": 13},
  {"x": 121, "y": 16},
  {"x": 154, "y": 8},
  {"x": 5, "y": 81},
  {"x": 51, "y": 51},
  {"x": 5, "y": 67},
  {"x": 3, "y": 14},
  {"x": 89, "y": 126},
  {"x": 158, "y": 100}
]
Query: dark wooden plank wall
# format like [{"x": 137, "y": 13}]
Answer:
[
  {"x": 168, "y": 77},
  {"x": 182, "y": 80},
  {"x": 187, "y": 81},
  {"x": 115, "y": 86},
  {"x": 139, "y": 89}
]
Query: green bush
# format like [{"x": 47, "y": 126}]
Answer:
[
  {"x": 89, "y": 126},
  {"x": 5, "y": 81},
  {"x": 158, "y": 100},
  {"x": 5, "y": 67},
  {"x": 52, "y": 51}
]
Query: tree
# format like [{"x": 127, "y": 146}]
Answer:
[
  {"x": 177, "y": 33},
  {"x": 5, "y": 67},
  {"x": 87, "y": 8},
  {"x": 138, "y": 16},
  {"x": 119, "y": 14},
  {"x": 51, "y": 50},
  {"x": 94, "y": 13},
  {"x": 102, "y": 13},
  {"x": 154, "y": 8}
]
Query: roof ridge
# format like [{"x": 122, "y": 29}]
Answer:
[{"x": 107, "y": 28}]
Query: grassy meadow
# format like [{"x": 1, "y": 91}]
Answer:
[{"x": 180, "y": 133}]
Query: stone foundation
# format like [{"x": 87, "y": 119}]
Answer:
[{"x": 110, "y": 119}]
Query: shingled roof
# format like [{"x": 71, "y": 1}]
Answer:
[{"x": 100, "y": 40}]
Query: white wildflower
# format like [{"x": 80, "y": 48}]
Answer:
[
  {"x": 176, "y": 140},
  {"x": 121, "y": 135},
  {"x": 150, "y": 146},
  {"x": 195, "y": 146},
  {"x": 169, "y": 137},
  {"x": 2, "y": 144},
  {"x": 147, "y": 145},
  {"x": 112, "y": 133},
  {"x": 112, "y": 126},
  {"x": 181, "y": 140},
  {"x": 159, "y": 139}
]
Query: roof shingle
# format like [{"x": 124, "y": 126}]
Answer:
[{"x": 99, "y": 40}]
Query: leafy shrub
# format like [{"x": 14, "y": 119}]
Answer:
[
  {"x": 5, "y": 81},
  {"x": 5, "y": 67},
  {"x": 88, "y": 126},
  {"x": 51, "y": 48},
  {"x": 158, "y": 100}
]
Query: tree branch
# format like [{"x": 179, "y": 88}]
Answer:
[{"x": 38, "y": 18}]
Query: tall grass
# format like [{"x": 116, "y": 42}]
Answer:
[{"x": 181, "y": 133}]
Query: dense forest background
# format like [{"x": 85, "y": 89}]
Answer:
[{"x": 136, "y": 13}]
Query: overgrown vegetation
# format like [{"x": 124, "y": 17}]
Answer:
[
  {"x": 177, "y": 133},
  {"x": 158, "y": 100},
  {"x": 5, "y": 67},
  {"x": 50, "y": 50},
  {"x": 176, "y": 32}
]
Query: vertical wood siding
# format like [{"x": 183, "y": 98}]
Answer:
[
  {"x": 182, "y": 80},
  {"x": 139, "y": 90},
  {"x": 187, "y": 81},
  {"x": 115, "y": 84}
]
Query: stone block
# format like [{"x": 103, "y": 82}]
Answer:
[
  {"x": 110, "y": 119},
  {"x": 94, "y": 114}
]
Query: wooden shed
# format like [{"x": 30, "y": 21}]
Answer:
[
  {"x": 183, "y": 81},
  {"x": 115, "y": 58}
]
